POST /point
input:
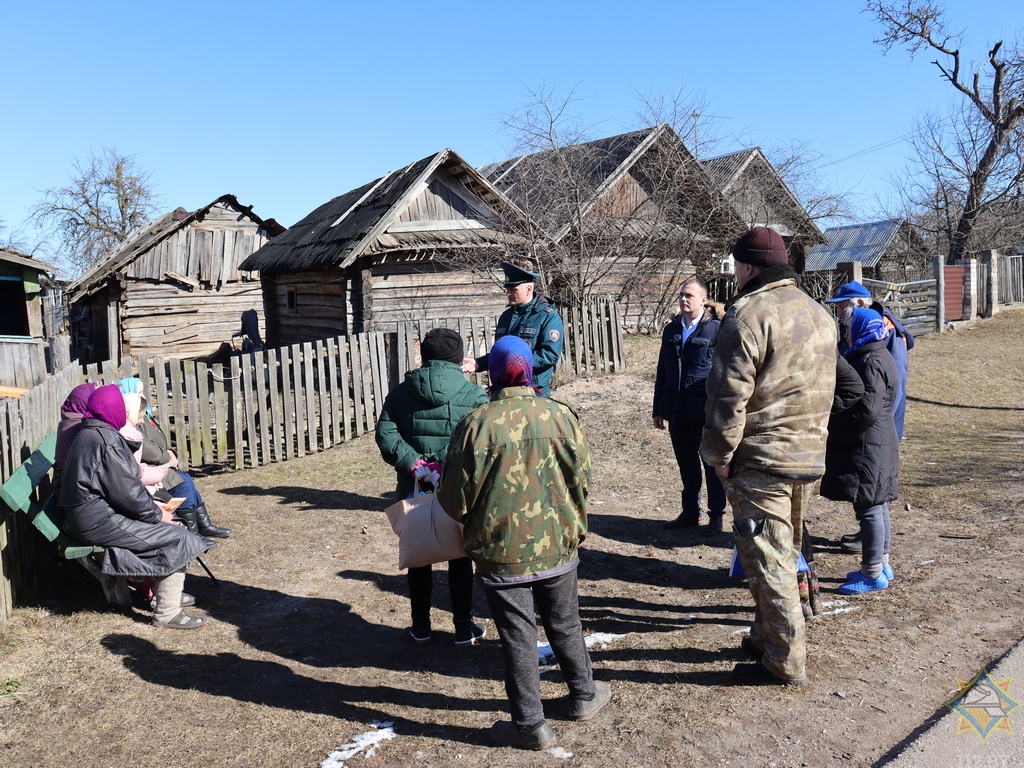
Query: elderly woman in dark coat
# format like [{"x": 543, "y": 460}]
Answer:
[
  {"x": 107, "y": 505},
  {"x": 72, "y": 414},
  {"x": 862, "y": 453}
]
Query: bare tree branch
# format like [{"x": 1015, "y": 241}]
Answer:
[{"x": 106, "y": 199}]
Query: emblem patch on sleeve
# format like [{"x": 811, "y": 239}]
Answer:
[{"x": 554, "y": 335}]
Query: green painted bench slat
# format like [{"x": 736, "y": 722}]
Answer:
[{"x": 46, "y": 517}]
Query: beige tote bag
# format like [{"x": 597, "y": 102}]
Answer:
[{"x": 426, "y": 534}]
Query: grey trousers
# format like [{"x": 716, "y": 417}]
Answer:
[
  {"x": 168, "y": 596},
  {"x": 557, "y": 602},
  {"x": 875, "y": 535}
]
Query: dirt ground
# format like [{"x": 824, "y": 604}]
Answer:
[{"x": 308, "y": 648}]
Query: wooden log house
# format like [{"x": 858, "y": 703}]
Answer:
[
  {"x": 630, "y": 216},
  {"x": 420, "y": 243},
  {"x": 891, "y": 250},
  {"x": 761, "y": 198},
  {"x": 174, "y": 288},
  {"x": 23, "y": 332}
]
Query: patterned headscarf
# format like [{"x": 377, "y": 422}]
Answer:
[
  {"x": 866, "y": 325},
  {"x": 78, "y": 400},
  {"x": 134, "y": 386},
  {"x": 510, "y": 363},
  {"x": 107, "y": 405}
]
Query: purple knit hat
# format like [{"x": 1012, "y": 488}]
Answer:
[
  {"x": 78, "y": 400},
  {"x": 107, "y": 405}
]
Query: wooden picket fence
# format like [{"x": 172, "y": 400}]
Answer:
[{"x": 266, "y": 407}]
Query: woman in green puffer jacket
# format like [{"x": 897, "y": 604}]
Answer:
[{"x": 413, "y": 430}]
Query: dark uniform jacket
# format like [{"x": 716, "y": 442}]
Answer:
[
  {"x": 683, "y": 368},
  {"x": 862, "y": 455},
  {"x": 420, "y": 414},
  {"x": 539, "y": 325},
  {"x": 107, "y": 505}
]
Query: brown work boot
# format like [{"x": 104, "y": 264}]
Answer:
[{"x": 685, "y": 520}]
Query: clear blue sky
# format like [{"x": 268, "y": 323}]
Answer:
[{"x": 289, "y": 105}]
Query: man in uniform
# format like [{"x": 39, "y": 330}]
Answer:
[
  {"x": 533, "y": 319},
  {"x": 517, "y": 476},
  {"x": 770, "y": 391}
]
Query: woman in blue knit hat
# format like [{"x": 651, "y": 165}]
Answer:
[{"x": 862, "y": 453}]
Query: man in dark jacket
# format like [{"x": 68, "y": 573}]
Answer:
[
  {"x": 532, "y": 318},
  {"x": 771, "y": 387},
  {"x": 680, "y": 396},
  {"x": 413, "y": 431}
]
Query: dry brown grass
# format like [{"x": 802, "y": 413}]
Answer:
[{"x": 307, "y": 644}]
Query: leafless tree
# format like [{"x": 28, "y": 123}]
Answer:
[
  {"x": 108, "y": 196},
  {"x": 968, "y": 162},
  {"x": 592, "y": 232},
  {"x": 800, "y": 166}
]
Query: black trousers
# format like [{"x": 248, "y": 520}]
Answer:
[
  {"x": 685, "y": 431},
  {"x": 460, "y": 588}
]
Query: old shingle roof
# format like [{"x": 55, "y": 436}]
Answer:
[
  {"x": 725, "y": 170},
  {"x": 146, "y": 237},
  {"x": 865, "y": 243},
  {"x": 341, "y": 230}
]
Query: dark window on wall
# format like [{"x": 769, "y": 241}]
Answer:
[
  {"x": 291, "y": 302},
  {"x": 13, "y": 310}
]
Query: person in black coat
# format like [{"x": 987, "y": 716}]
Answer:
[
  {"x": 107, "y": 505},
  {"x": 679, "y": 399},
  {"x": 862, "y": 453}
]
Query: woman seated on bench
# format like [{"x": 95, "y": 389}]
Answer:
[
  {"x": 107, "y": 506},
  {"x": 155, "y": 453}
]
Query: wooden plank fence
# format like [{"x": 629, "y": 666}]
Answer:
[
  {"x": 265, "y": 407},
  {"x": 914, "y": 303}
]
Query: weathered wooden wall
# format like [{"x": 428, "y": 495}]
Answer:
[
  {"x": 172, "y": 319},
  {"x": 322, "y": 306},
  {"x": 22, "y": 362}
]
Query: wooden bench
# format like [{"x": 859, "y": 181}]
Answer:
[{"x": 20, "y": 494}]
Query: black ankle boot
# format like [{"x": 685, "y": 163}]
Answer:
[
  {"x": 187, "y": 517},
  {"x": 206, "y": 526}
]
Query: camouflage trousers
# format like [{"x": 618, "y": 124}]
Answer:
[{"x": 768, "y": 516}]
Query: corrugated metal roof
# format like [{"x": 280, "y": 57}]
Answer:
[
  {"x": 724, "y": 170},
  {"x": 865, "y": 243},
  {"x": 537, "y": 182}
]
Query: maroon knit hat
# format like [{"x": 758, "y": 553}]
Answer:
[
  {"x": 106, "y": 404},
  {"x": 762, "y": 247}
]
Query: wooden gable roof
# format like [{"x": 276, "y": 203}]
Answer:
[
  {"x": 438, "y": 202},
  {"x": 615, "y": 177},
  {"x": 21, "y": 260},
  {"x": 760, "y": 195},
  {"x": 149, "y": 236}
]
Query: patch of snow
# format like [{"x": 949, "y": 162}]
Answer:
[
  {"x": 600, "y": 640},
  {"x": 364, "y": 742},
  {"x": 834, "y": 603},
  {"x": 559, "y": 753},
  {"x": 838, "y": 611},
  {"x": 744, "y": 631}
]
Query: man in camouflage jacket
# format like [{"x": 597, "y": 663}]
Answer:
[
  {"x": 770, "y": 391},
  {"x": 517, "y": 476}
]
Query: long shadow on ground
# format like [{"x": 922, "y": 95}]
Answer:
[
  {"x": 275, "y": 685},
  {"x": 315, "y": 498}
]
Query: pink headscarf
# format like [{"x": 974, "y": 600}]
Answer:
[{"x": 107, "y": 405}]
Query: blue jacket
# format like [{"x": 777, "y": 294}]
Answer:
[
  {"x": 683, "y": 368},
  {"x": 539, "y": 325}
]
